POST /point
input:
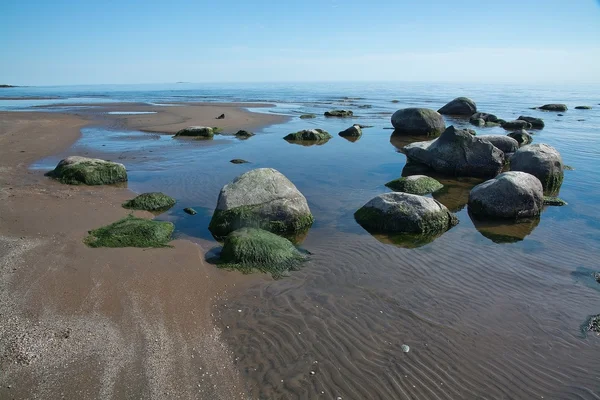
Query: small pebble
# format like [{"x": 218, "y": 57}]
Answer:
[
  {"x": 312, "y": 372},
  {"x": 405, "y": 348}
]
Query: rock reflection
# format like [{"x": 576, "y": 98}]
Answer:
[{"x": 502, "y": 231}]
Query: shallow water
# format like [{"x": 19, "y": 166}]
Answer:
[{"x": 488, "y": 310}]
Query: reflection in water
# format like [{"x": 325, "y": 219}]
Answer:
[
  {"x": 307, "y": 143},
  {"x": 415, "y": 168},
  {"x": 501, "y": 231},
  {"x": 351, "y": 138},
  {"x": 455, "y": 193},
  {"x": 407, "y": 241},
  {"x": 399, "y": 141}
]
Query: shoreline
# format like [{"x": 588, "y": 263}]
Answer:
[{"x": 144, "y": 316}]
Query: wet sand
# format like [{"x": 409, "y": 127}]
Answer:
[{"x": 102, "y": 323}]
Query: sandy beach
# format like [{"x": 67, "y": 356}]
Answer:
[{"x": 91, "y": 323}]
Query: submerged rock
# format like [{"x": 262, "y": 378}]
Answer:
[
  {"x": 554, "y": 107},
  {"x": 415, "y": 184},
  {"x": 418, "y": 121},
  {"x": 261, "y": 198},
  {"x": 317, "y": 135},
  {"x": 239, "y": 161},
  {"x": 155, "y": 201},
  {"x": 249, "y": 249},
  {"x": 405, "y": 213},
  {"x": 354, "y": 131},
  {"x": 462, "y": 106},
  {"x": 484, "y": 116},
  {"x": 76, "y": 170},
  {"x": 189, "y": 210},
  {"x": 542, "y": 161},
  {"x": 197, "y": 131},
  {"x": 517, "y": 124},
  {"x": 504, "y": 143},
  {"x": 456, "y": 152},
  {"x": 593, "y": 323},
  {"x": 554, "y": 201},
  {"x": 521, "y": 136},
  {"x": 505, "y": 230},
  {"x": 308, "y": 116},
  {"x": 536, "y": 123},
  {"x": 242, "y": 134},
  {"x": 339, "y": 113},
  {"x": 583, "y": 108},
  {"x": 131, "y": 232},
  {"x": 510, "y": 195},
  {"x": 477, "y": 122}
]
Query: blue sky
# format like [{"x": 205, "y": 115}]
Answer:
[{"x": 87, "y": 42}]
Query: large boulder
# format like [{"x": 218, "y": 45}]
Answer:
[
  {"x": 354, "y": 131},
  {"x": 516, "y": 124},
  {"x": 509, "y": 195},
  {"x": 154, "y": 201},
  {"x": 203, "y": 132},
  {"x": 542, "y": 161},
  {"x": 536, "y": 123},
  {"x": 308, "y": 135},
  {"x": 261, "y": 198},
  {"x": 415, "y": 184},
  {"x": 77, "y": 170},
  {"x": 418, "y": 121},
  {"x": 521, "y": 136},
  {"x": 462, "y": 106},
  {"x": 458, "y": 153},
  {"x": 554, "y": 107},
  {"x": 504, "y": 143}
]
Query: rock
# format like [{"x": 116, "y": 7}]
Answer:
[
  {"x": 155, "y": 201},
  {"x": 318, "y": 135},
  {"x": 568, "y": 168},
  {"x": 239, "y": 161},
  {"x": 361, "y": 126},
  {"x": 462, "y": 106},
  {"x": 249, "y": 249},
  {"x": 353, "y": 131},
  {"x": 75, "y": 170},
  {"x": 242, "y": 134},
  {"x": 308, "y": 116},
  {"x": 458, "y": 153},
  {"x": 418, "y": 121},
  {"x": 484, "y": 116},
  {"x": 542, "y": 161},
  {"x": 197, "y": 131},
  {"x": 491, "y": 124},
  {"x": 405, "y": 213},
  {"x": 517, "y": 124},
  {"x": 415, "y": 184},
  {"x": 560, "y": 115},
  {"x": 521, "y": 136},
  {"x": 536, "y": 123},
  {"x": 405, "y": 348},
  {"x": 504, "y": 143},
  {"x": 510, "y": 195},
  {"x": 395, "y": 101},
  {"x": 477, "y": 122},
  {"x": 593, "y": 323},
  {"x": 261, "y": 198},
  {"x": 222, "y": 116},
  {"x": 339, "y": 113},
  {"x": 597, "y": 276},
  {"x": 189, "y": 210},
  {"x": 131, "y": 232},
  {"x": 554, "y": 201},
  {"x": 553, "y": 107},
  {"x": 583, "y": 108},
  {"x": 471, "y": 131},
  {"x": 364, "y": 106}
]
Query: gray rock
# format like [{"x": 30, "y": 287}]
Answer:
[
  {"x": 316, "y": 135},
  {"x": 509, "y": 195},
  {"x": 521, "y": 136},
  {"x": 542, "y": 161},
  {"x": 415, "y": 184},
  {"x": 196, "y": 131},
  {"x": 261, "y": 198},
  {"x": 458, "y": 153},
  {"x": 462, "y": 106},
  {"x": 418, "y": 121},
  {"x": 553, "y": 107},
  {"x": 242, "y": 134},
  {"x": 353, "y": 131},
  {"x": 405, "y": 213},
  {"x": 536, "y": 123},
  {"x": 517, "y": 124},
  {"x": 339, "y": 113},
  {"x": 77, "y": 170},
  {"x": 504, "y": 143},
  {"x": 308, "y": 116},
  {"x": 477, "y": 122},
  {"x": 484, "y": 116}
]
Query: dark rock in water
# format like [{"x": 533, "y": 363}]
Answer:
[
  {"x": 580, "y": 120},
  {"x": 222, "y": 116},
  {"x": 249, "y": 249},
  {"x": 458, "y": 153},
  {"x": 568, "y": 168},
  {"x": 239, "y": 161},
  {"x": 536, "y": 123},
  {"x": 197, "y": 131},
  {"x": 542, "y": 161},
  {"x": 308, "y": 116},
  {"x": 415, "y": 184},
  {"x": 415, "y": 168},
  {"x": 318, "y": 135},
  {"x": 365, "y": 106},
  {"x": 554, "y": 201},
  {"x": 597, "y": 276},
  {"x": 76, "y": 170},
  {"x": 471, "y": 131},
  {"x": 560, "y": 115},
  {"x": 593, "y": 323},
  {"x": 510, "y": 195},
  {"x": 189, "y": 210},
  {"x": 353, "y": 131},
  {"x": 131, "y": 232},
  {"x": 155, "y": 201},
  {"x": 484, "y": 116},
  {"x": 477, "y": 122},
  {"x": 361, "y": 126},
  {"x": 461, "y": 106},
  {"x": 405, "y": 213},
  {"x": 504, "y": 143},
  {"x": 395, "y": 101},
  {"x": 491, "y": 124},
  {"x": 521, "y": 136},
  {"x": 242, "y": 134},
  {"x": 339, "y": 113},
  {"x": 517, "y": 124},
  {"x": 583, "y": 108},
  {"x": 553, "y": 107},
  {"x": 418, "y": 121}
]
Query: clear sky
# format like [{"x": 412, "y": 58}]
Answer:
[{"x": 45, "y": 42}]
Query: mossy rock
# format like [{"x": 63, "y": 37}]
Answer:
[
  {"x": 593, "y": 323},
  {"x": 250, "y": 249},
  {"x": 155, "y": 201},
  {"x": 554, "y": 107},
  {"x": 131, "y": 232},
  {"x": 583, "y": 108},
  {"x": 88, "y": 171},
  {"x": 308, "y": 116},
  {"x": 316, "y": 135},
  {"x": 242, "y": 134},
  {"x": 415, "y": 184},
  {"x": 568, "y": 168},
  {"x": 190, "y": 211},
  {"x": 201, "y": 132},
  {"x": 339, "y": 113},
  {"x": 554, "y": 201}
]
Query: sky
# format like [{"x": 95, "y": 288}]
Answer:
[{"x": 61, "y": 42}]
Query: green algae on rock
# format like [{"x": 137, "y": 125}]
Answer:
[
  {"x": 554, "y": 201},
  {"x": 554, "y": 107},
  {"x": 251, "y": 249},
  {"x": 317, "y": 135},
  {"x": 154, "y": 201},
  {"x": 201, "y": 132},
  {"x": 415, "y": 184},
  {"x": 76, "y": 170},
  {"x": 339, "y": 113},
  {"x": 131, "y": 232},
  {"x": 189, "y": 210}
]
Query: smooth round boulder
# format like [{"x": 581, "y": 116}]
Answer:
[
  {"x": 461, "y": 106},
  {"x": 542, "y": 161},
  {"x": 521, "y": 136},
  {"x": 536, "y": 123},
  {"x": 418, "y": 121},
  {"x": 517, "y": 124},
  {"x": 75, "y": 170},
  {"x": 261, "y": 198},
  {"x": 353, "y": 131},
  {"x": 395, "y": 213},
  {"x": 197, "y": 131},
  {"x": 504, "y": 143},
  {"x": 509, "y": 195},
  {"x": 554, "y": 107},
  {"x": 415, "y": 184},
  {"x": 308, "y": 135}
]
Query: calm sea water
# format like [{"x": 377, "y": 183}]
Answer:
[{"x": 484, "y": 317}]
